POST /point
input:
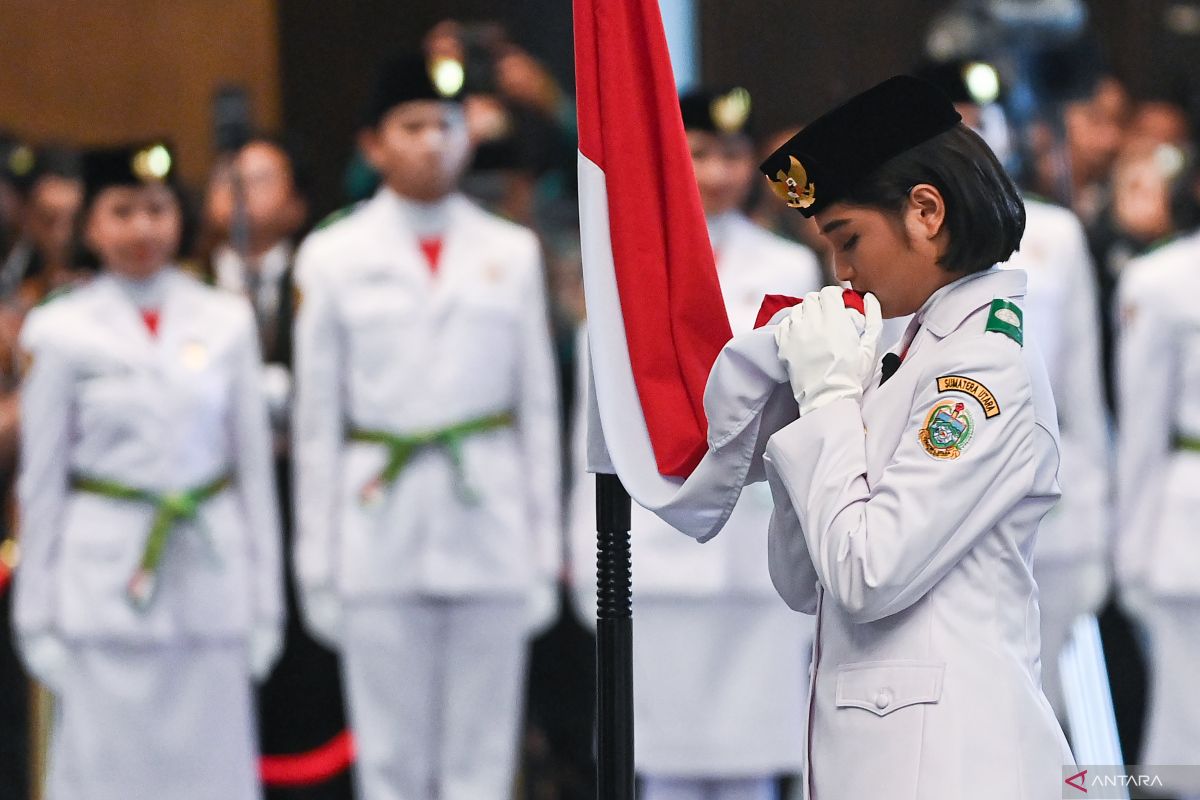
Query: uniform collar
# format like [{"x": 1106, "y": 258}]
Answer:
[
  {"x": 424, "y": 220},
  {"x": 948, "y": 307}
]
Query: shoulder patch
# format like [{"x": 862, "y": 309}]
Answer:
[
  {"x": 960, "y": 383},
  {"x": 61, "y": 291},
  {"x": 337, "y": 216},
  {"x": 947, "y": 430},
  {"x": 1006, "y": 317}
]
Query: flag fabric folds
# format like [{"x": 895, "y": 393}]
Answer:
[{"x": 656, "y": 316}]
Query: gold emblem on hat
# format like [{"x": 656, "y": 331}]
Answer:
[
  {"x": 195, "y": 356},
  {"x": 730, "y": 111},
  {"x": 22, "y": 160},
  {"x": 152, "y": 164},
  {"x": 793, "y": 186},
  {"x": 448, "y": 75}
]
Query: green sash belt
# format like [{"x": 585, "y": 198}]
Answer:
[
  {"x": 1187, "y": 443},
  {"x": 170, "y": 509},
  {"x": 402, "y": 448}
]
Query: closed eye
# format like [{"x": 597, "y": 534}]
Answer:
[{"x": 849, "y": 245}]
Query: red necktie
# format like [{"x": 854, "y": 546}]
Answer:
[
  {"x": 432, "y": 248},
  {"x": 150, "y": 317}
]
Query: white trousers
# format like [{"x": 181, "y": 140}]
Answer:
[
  {"x": 143, "y": 721},
  {"x": 434, "y": 689},
  {"x": 1173, "y": 716},
  {"x": 664, "y": 788}
]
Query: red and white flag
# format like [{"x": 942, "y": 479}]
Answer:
[{"x": 656, "y": 318}]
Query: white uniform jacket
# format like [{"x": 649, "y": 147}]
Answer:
[
  {"x": 751, "y": 263},
  {"x": 907, "y": 526},
  {"x": 1062, "y": 316},
  {"x": 1159, "y": 390},
  {"x": 104, "y": 399},
  {"x": 384, "y": 344}
]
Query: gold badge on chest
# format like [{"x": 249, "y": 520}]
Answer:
[
  {"x": 194, "y": 355},
  {"x": 493, "y": 274}
]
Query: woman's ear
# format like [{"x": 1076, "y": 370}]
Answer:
[{"x": 926, "y": 215}]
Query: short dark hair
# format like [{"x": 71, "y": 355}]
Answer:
[{"x": 985, "y": 216}]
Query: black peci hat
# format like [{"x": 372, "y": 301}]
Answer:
[
  {"x": 141, "y": 164},
  {"x": 413, "y": 77},
  {"x": 723, "y": 112},
  {"x": 828, "y": 158}
]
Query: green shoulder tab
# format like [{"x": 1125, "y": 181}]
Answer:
[
  {"x": 1006, "y": 317},
  {"x": 1161, "y": 242},
  {"x": 51, "y": 296},
  {"x": 337, "y": 216}
]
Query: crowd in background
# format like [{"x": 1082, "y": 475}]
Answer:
[{"x": 1123, "y": 164}]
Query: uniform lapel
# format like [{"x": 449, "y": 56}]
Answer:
[
  {"x": 401, "y": 252},
  {"x": 460, "y": 245},
  {"x": 118, "y": 313}
]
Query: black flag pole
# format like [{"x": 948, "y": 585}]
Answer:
[{"x": 614, "y": 642}]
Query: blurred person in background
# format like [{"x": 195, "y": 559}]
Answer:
[
  {"x": 1137, "y": 214},
  {"x": 16, "y": 162},
  {"x": 258, "y": 199},
  {"x": 14, "y": 694},
  {"x": 149, "y": 594},
  {"x": 734, "y": 721},
  {"x": 1072, "y": 555},
  {"x": 256, "y": 260},
  {"x": 1158, "y": 564},
  {"x": 521, "y": 121},
  {"x": 43, "y": 258},
  {"x": 426, "y": 446}
]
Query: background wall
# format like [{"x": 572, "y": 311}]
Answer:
[
  {"x": 92, "y": 72},
  {"x": 107, "y": 70}
]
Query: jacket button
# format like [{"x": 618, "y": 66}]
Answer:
[{"x": 883, "y": 699}]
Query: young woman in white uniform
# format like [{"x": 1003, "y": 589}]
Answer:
[
  {"x": 726, "y": 726},
  {"x": 1158, "y": 490},
  {"x": 150, "y": 590},
  {"x": 907, "y": 502}
]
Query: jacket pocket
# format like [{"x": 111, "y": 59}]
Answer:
[{"x": 881, "y": 687}]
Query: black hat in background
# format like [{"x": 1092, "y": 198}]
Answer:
[
  {"x": 963, "y": 80},
  {"x": 140, "y": 164},
  {"x": 828, "y": 158},
  {"x": 413, "y": 77},
  {"x": 725, "y": 112}
]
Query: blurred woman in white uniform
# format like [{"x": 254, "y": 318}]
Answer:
[
  {"x": 727, "y": 724},
  {"x": 1158, "y": 492},
  {"x": 149, "y": 594}
]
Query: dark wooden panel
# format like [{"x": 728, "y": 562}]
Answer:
[{"x": 96, "y": 72}]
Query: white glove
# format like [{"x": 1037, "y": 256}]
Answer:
[
  {"x": 321, "y": 609},
  {"x": 266, "y": 646},
  {"x": 277, "y": 389},
  {"x": 542, "y": 607},
  {"x": 46, "y": 658},
  {"x": 829, "y": 349}
]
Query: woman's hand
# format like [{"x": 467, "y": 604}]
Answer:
[{"x": 829, "y": 349}]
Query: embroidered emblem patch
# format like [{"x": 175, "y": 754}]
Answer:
[
  {"x": 959, "y": 383},
  {"x": 793, "y": 186},
  {"x": 947, "y": 430},
  {"x": 1006, "y": 317},
  {"x": 194, "y": 356}
]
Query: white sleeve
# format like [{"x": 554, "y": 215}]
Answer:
[
  {"x": 538, "y": 416},
  {"x": 255, "y": 476},
  {"x": 47, "y": 409},
  {"x": 317, "y": 425},
  {"x": 878, "y": 549}
]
